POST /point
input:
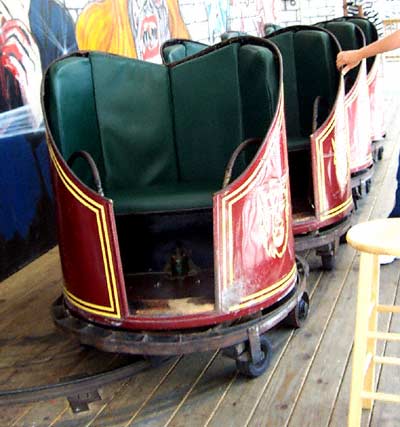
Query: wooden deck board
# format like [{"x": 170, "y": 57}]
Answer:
[
  {"x": 379, "y": 207},
  {"x": 280, "y": 398},
  {"x": 325, "y": 378},
  {"x": 307, "y": 384},
  {"x": 133, "y": 396}
]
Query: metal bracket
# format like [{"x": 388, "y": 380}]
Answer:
[
  {"x": 235, "y": 351},
  {"x": 79, "y": 402},
  {"x": 254, "y": 344},
  {"x": 328, "y": 249}
]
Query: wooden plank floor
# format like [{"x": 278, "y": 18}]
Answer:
[{"x": 306, "y": 385}]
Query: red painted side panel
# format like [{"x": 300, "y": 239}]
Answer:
[
  {"x": 330, "y": 152},
  {"x": 359, "y": 120},
  {"x": 259, "y": 244},
  {"x": 93, "y": 279},
  {"x": 254, "y": 252}
]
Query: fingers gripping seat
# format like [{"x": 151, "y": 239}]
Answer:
[
  {"x": 370, "y": 34},
  {"x": 350, "y": 37},
  {"x": 160, "y": 136}
]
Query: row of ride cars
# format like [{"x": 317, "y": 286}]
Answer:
[{"x": 185, "y": 189}]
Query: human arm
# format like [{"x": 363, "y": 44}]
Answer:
[{"x": 351, "y": 58}]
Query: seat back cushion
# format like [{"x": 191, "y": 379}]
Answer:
[
  {"x": 285, "y": 43},
  {"x": 346, "y": 33},
  {"x": 135, "y": 121},
  {"x": 208, "y": 127},
  {"x": 181, "y": 50},
  {"x": 367, "y": 27},
  {"x": 71, "y": 112},
  {"x": 315, "y": 56},
  {"x": 259, "y": 89}
]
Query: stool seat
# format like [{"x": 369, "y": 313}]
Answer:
[{"x": 379, "y": 236}]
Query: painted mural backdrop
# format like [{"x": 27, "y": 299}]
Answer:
[
  {"x": 137, "y": 28},
  {"x": 35, "y": 32}
]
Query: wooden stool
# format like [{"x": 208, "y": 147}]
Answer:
[{"x": 371, "y": 239}]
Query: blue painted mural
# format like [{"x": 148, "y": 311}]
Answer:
[{"x": 33, "y": 33}]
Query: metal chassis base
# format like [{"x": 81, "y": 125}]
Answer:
[
  {"x": 324, "y": 237},
  {"x": 164, "y": 343},
  {"x": 362, "y": 177}
]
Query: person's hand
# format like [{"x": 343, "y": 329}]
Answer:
[{"x": 348, "y": 59}]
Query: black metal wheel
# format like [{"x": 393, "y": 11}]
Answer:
[
  {"x": 245, "y": 364},
  {"x": 367, "y": 186},
  {"x": 328, "y": 262},
  {"x": 356, "y": 197},
  {"x": 380, "y": 153},
  {"x": 299, "y": 314}
]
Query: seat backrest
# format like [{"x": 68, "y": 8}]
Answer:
[
  {"x": 148, "y": 124},
  {"x": 176, "y": 49},
  {"x": 369, "y": 31},
  {"x": 309, "y": 64},
  {"x": 205, "y": 94},
  {"x": 259, "y": 75},
  {"x": 220, "y": 99},
  {"x": 368, "y": 28},
  {"x": 347, "y": 33},
  {"x": 71, "y": 111},
  {"x": 92, "y": 100},
  {"x": 135, "y": 116},
  {"x": 285, "y": 43}
]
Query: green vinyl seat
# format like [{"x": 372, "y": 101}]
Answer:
[
  {"x": 348, "y": 34},
  {"x": 161, "y": 136},
  {"x": 309, "y": 72}
]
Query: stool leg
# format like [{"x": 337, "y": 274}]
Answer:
[
  {"x": 369, "y": 384},
  {"x": 366, "y": 277}
]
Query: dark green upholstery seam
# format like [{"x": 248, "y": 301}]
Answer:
[
  {"x": 97, "y": 122},
  {"x": 299, "y": 109},
  {"x": 172, "y": 106},
  {"x": 269, "y": 106},
  {"x": 239, "y": 94}
]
